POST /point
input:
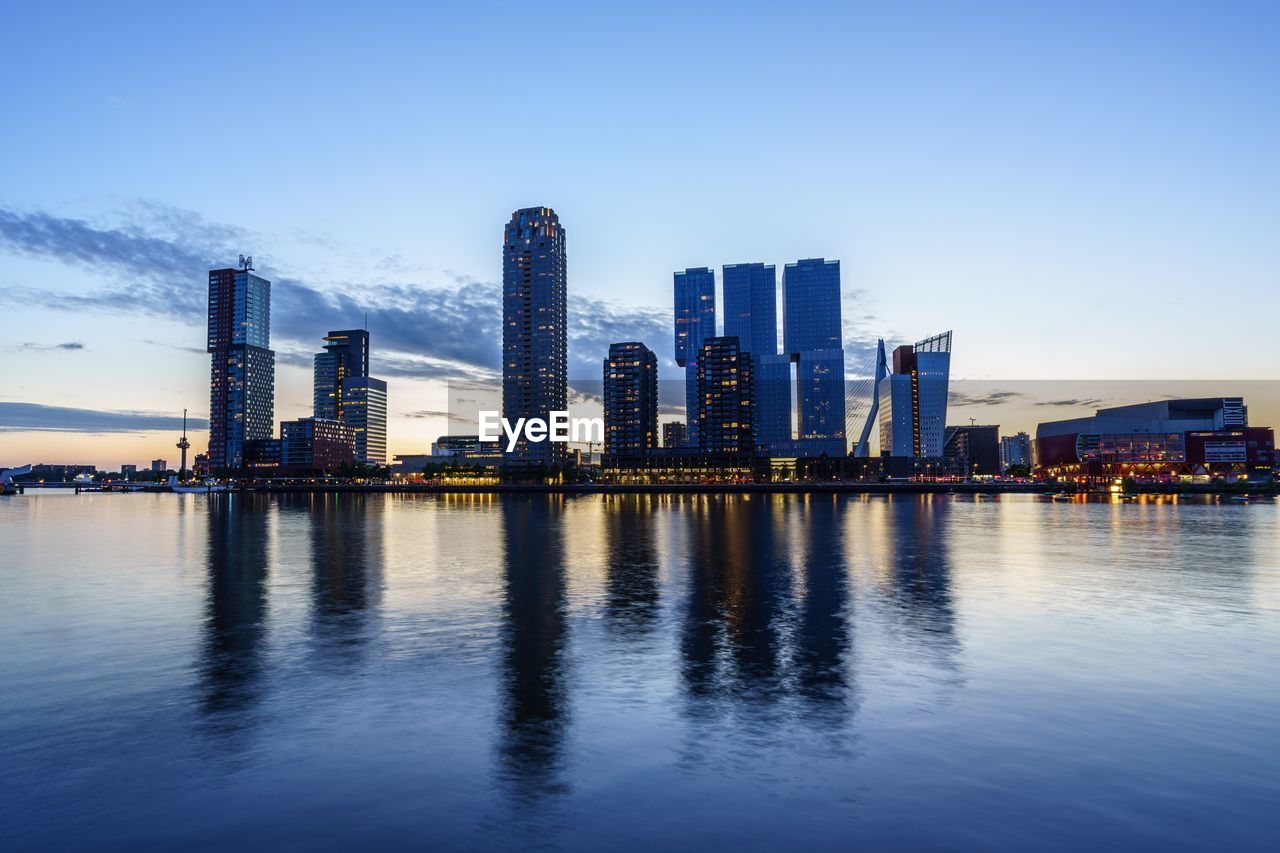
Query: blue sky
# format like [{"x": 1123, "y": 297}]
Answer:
[{"x": 1065, "y": 185}]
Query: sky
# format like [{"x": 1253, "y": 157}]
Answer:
[{"x": 1079, "y": 191}]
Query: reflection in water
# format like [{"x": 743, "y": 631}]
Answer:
[
  {"x": 744, "y": 637},
  {"x": 344, "y": 553},
  {"x": 823, "y": 635},
  {"x": 534, "y": 630},
  {"x": 921, "y": 575},
  {"x": 632, "y": 587},
  {"x": 235, "y": 624}
]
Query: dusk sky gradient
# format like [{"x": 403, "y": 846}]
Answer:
[{"x": 1067, "y": 186}]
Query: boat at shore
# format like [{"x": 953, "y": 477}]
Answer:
[{"x": 207, "y": 487}]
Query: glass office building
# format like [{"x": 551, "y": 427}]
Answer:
[
  {"x": 695, "y": 321},
  {"x": 346, "y": 354},
  {"x": 813, "y": 340},
  {"x": 534, "y": 334},
  {"x": 365, "y": 411},
  {"x": 751, "y": 307},
  {"x": 242, "y": 371},
  {"x": 726, "y": 398}
]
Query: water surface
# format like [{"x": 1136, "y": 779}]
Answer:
[{"x": 471, "y": 672}]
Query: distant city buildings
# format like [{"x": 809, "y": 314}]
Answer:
[
  {"x": 242, "y": 376},
  {"x": 725, "y": 398},
  {"x": 674, "y": 434},
  {"x": 316, "y": 443},
  {"x": 1015, "y": 450},
  {"x": 1206, "y": 437},
  {"x": 159, "y": 465},
  {"x": 975, "y": 449},
  {"x": 534, "y": 333},
  {"x": 630, "y": 399},
  {"x": 913, "y": 399}
]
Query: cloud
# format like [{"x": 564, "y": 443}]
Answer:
[
  {"x": 993, "y": 398},
  {"x": 437, "y": 413},
  {"x": 1088, "y": 402},
  {"x": 161, "y": 258},
  {"x": 69, "y": 346},
  {"x": 33, "y": 417}
]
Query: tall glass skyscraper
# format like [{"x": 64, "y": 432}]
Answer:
[
  {"x": 243, "y": 370},
  {"x": 695, "y": 321},
  {"x": 535, "y": 347},
  {"x": 346, "y": 353},
  {"x": 751, "y": 306},
  {"x": 813, "y": 339},
  {"x": 630, "y": 400}
]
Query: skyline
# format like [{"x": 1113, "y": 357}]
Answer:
[{"x": 982, "y": 195}]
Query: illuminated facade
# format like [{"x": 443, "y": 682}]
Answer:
[
  {"x": 534, "y": 334},
  {"x": 242, "y": 374},
  {"x": 316, "y": 444},
  {"x": 725, "y": 398},
  {"x": 365, "y": 411},
  {"x": 1159, "y": 441},
  {"x": 346, "y": 354},
  {"x": 630, "y": 399},
  {"x": 913, "y": 399}
]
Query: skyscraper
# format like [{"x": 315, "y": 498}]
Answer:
[
  {"x": 695, "y": 321},
  {"x": 674, "y": 434},
  {"x": 913, "y": 399},
  {"x": 364, "y": 409},
  {"x": 813, "y": 341},
  {"x": 346, "y": 353},
  {"x": 242, "y": 376},
  {"x": 726, "y": 398},
  {"x": 751, "y": 307},
  {"x": 534, "y": 340},
  {"x": 344, "y": 391},
  {"x": 630, "y": 400}
]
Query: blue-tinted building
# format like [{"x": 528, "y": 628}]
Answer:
[
  {"x": 346, "y": 354},
  {"x": 751, "y": 307},
  {"x": 243, "y": 369},
  {"x": 535, "y": 349},
  {"x": 726, "y": 398},
  {"x": 813, "y": 342},
  {"x": 913, "y": 399},
  {"x": 695, "y": 321}
]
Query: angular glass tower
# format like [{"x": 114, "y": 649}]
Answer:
[
  {"x": 630, "y": 400},
  {"x": 346, "y": 354},
  {"x": 243, "y": 369},
  {"x": 913, "y": 399},
  {"x": 695, "y": 321},
  {"x": 535, "y": 347}
]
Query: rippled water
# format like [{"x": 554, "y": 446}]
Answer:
[{"x": 587, "y": 673}]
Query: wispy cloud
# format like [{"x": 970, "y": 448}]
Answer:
[
  {"x": 33, "y": 417},
  {"x": 69, "y": 346},
  {"x": 1086, "y": 402},
  {"x": 992, "y": 398}
]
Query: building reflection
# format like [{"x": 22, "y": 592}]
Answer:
[
  {"x": 534, "y": 634},
  {"x": 346, "y": 560},
  {"x": 632, "y": 594},
  {"x": 745, "y": 636},
  {"x": 824, "y": 634},
  {"x": 919, "y": 568},
  {"x": 236, "y": 607}
]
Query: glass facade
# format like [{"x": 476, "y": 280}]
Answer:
[
  {"x": 695, "y": 321},
  {"x": 365, "y": 411},
  {"x": 813, "y": 338},
  {"x": 242, "y": 366},
  {"x": 346, "y": 354},
  {"x": 751, "y": 307},
  {"x": 811, "y": 298},
  {"x": 534, "y": 336},
  {"x": 630, "y": 400}
]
